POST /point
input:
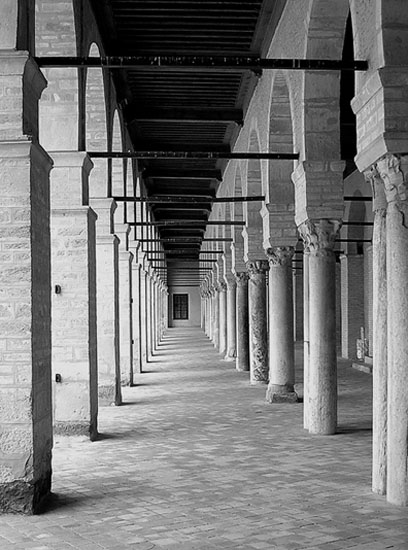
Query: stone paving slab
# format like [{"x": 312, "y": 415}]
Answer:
[{"x": 196, "y": 459}]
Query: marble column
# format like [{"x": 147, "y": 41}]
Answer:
[
  {"x": 258, "y": 322},
  {"x": 393, "y": 170},
  {"x": 281, "y": 344},
  {"x": 222, "y": 343},
  {"x": 319, "y": 237},
  {"x": 231, "y": 320},
  {"x": 242, "y": 322},
  {"x": 215, "y": 317},
  {"x": 306, "y": 342},
  {"x": 379, "y": 470},
  {"x": 108, "y": 328},
  {"x": 73, "y": 274}
]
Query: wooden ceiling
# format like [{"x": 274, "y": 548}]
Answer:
[{"x": 187, "y": 110}]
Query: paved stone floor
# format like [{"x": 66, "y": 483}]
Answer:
[{"x": 196, "y": 459}]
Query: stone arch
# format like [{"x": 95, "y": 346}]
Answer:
[
  {"x": 55, "y": 35},
  {"x": 253, "y": 230},
  {"x": 279, "y": 195},
  {"x": 96, "y": 137}
]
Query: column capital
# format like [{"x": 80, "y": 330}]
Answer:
[
  {"x": 241, "y": 277},
  {"x": 222, "y": 286},
  {"x": 372, "y": 176},
  {"x": 280, "y": 255},
  {"x": 393, "y": 170},
  {"x": 319, "y": 236},
  {"x": 257, "y": 267}
]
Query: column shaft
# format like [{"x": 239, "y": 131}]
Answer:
[
  {"x": 242, "y": 322},
  {"x": 281, "y": 345},
  {"x": 306, "y": 343},
  {"x": 319, "y": 236},
  {"x": 222, "y": 344},
  {"x": 231, "y": 321},
  {"x": 258, "y": 322}
]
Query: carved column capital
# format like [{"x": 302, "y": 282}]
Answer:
[
  {"x": 241, "y": 278},
  {"x": 393, "y": 170},
  {"x": 222, "y": 286},
  {"x": 280, "y": 255},
  {"x": 257, "y": 267},
  {"x": 319, "y": 236},
  {"x": 372, "y": 176}
]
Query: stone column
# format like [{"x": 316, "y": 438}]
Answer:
[
  {"x": 136, "y": 322},
  {"x": 306, "y": 342},
  {"x": 222, "y": 344},
  {"x": 281, "y": 345},
  {"x": 73, "y": 278},
  {"x": 393, "y": 170},
  {"x": 143, "y": 316},
  {"x": 352, "y": 302},
  {"x": 25, "y": 282},
  {"x": 379, "y": 473},
  {"x": 231, "y": 320},
  {"x": 297, "y": 277},
  {"x": 125, "y": 304},
  {"x": 258, "y": 322},
  {"x": 108, "y": 331},
  {"x": 319, "y": 236},
  {"x": 242, "y": 322},
  {"x": 215, "y": 317}
]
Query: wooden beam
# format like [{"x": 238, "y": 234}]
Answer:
[
  {"x": 358, "y": 199},
  {"x": 223, "y": 63}
]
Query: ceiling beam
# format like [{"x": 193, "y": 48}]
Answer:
[
  {"x": 191, "y": 115},
  {"x": 224, "y": 63}
]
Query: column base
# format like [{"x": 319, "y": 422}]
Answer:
[
  {"x": 77, "y": 429},
  {"x": 107, "y": 396},
  {"x": 258, "y": 382},
  {"x": 281, "y": 394},
  {"x": 21, "y": 497},
  {"x": 242, "y": 368}
]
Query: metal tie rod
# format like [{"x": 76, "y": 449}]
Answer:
[
  {"x": 176, "y": 223},
  {"x": 188, "y": 199},
  {"x": 234, "y": 63},
  {"x": 206, "y": 155}
]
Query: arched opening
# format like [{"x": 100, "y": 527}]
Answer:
[
  {"x": 117, "y": 175},
  {"x": 348, "y": 131},
  {"x": 96, "y": 127},
  {"x": 237, "y": 212},
  {"x": 279, "y": 225},
  {"x": 253, "y": 230}
]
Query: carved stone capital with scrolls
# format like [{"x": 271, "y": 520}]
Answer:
[
  {"x": 319, "y": 236},
  {"x": 372, "y": 176},
  {"x": 280, "y": 256},
  {"x": 257, "y": 267},
  {"x": 393, "y": 170},
  {"x": 242, "y": 278},
  {"x": 222, "y": 286}
]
